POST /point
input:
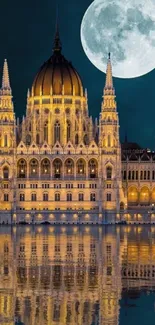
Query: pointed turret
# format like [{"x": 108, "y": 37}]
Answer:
[
  {"x": 109, "y": 88},
  {"x": 6, "y": 89}
]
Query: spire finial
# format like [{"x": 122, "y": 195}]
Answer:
[
  {"x": 109, "y": 88},
  {"x": 5, "y": 78},
  {"x": 57, "y": 43}
]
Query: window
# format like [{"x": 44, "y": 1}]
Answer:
[
  {"x": 153, "y": 174},
  {"x": 45, "y": 185},
  {"x": 148, "y": 175},
  {"x": 22, "y": 197},
  {"x": 133, "y": 175},
  {"x": 68, "y": 131},
  {"x": 33, "y": 197},
  {"x": 136, "y": 174},
  {"x": 45, "y": 197},
  {"x": 45, "y": 167},
  {"x": 141, "y": 175},
  {"x": 33, "y": 185},
  {"x": 81, "y": 197},
  {"x": 57, "y": 168},
  {"x": 145, "y": 175},
  {"x": 108, "y": 197},
  {"x": 109, "y": 140},
  {"x": 5, "y": 185},
  {"x": 57, "y": 132},
  {"x": 124, "y": 175},
  {"x": 108, "y": 185},
  {"x": 80, "y": 167},
  {"x": 92, "y": 168},
  {"x": 69, "y": 197},
  {"x": 5, "y": 172},
  {"x": 57, "y": 197},
  {"x": 6, "y": 197},
  {"x": 129, "y": 175},
  {"x": 34, "y": 168},
  {"x": 92, "y": 197},
  {"x": 92, "y": 185},
  {"x": 5, "y": 140},
  {"x": 81, "y": 185},
  {"x": 109, "y": 172},
  {"x": 22, "y": 168},
  {"x": 46, "y": 131},
  {"x": 76, "y": 139}
]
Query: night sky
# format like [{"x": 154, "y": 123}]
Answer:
[{"x": 27, "y": 32}]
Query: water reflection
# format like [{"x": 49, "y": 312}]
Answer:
[{"x": 82, "y": 276}]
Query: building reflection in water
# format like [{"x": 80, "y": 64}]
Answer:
[{"x": 60, "y": 275}]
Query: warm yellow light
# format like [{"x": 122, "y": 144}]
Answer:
[{"x": 34, "y": 170}]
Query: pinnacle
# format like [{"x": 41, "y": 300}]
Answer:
[
  {"x": 5, "y": 78},
  {"x": 109, "y": 80}
]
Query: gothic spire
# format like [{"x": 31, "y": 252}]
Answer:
[
  {"x": 109, "y": 88},
  {"x": 5, "y": 79},
  {"x": 57, "y": 43}
]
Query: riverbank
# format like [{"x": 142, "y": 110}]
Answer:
[{"x": 76, "y": 217}]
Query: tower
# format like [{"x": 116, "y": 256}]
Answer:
[
  {"x": 7, "y": 143},
  {"x": 112, "y": 194},
  {"x": 7, "y": 116}
]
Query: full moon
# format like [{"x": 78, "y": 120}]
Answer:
[{"x": 126, "y": 29}]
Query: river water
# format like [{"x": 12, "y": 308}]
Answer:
[{"x": 83, "y": 275}]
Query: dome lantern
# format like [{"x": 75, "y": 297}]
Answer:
[{"x": 57, "y": 74}]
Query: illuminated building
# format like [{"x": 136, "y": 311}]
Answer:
[{"x": 57, "y": 159}]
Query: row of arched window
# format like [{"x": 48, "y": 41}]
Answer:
[
  {"x": 139, "y": 175},
  {"x": 57, "y": 197},
  {"x": 58, "y": 169}
]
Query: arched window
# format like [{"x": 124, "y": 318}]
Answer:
[
  {"x": 57, "y": 168},
  {"x": 46, "y": 131},
  {"x": 33, "y": 197},
  {"x": 76, "y": 139},
  {"x": 81, "y": 167},
  {"x": 109, "y": 172},
  {"x": 69, "y": 167},
  {"x": 6, "y": 197},
  {"x": 21, "y": 168},
  {"x": 45, "y": 167},
  {"x": 68, "y": 131},
  {"x": 57, "y": 131},
  {"x": 92, "y": 197},
  {"x": 45, "y": 197},
  {"x": 28, "y": 139},
  {"x": 93, "y": 167},
  {"x": 34, "y": 168},
  {"x": 69, "y": 197},
  {"x": 22, "y": 197},
  {"x": 6, "y": 172},
  {"x": 81, "y": 197},
  {"x": 57, "y": 197},
  {"x": 108, "y": 197}
]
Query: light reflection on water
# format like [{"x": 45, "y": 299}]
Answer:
[{"x": 83, "y": 276}]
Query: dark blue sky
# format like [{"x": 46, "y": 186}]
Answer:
[{"x": 27, "y": 31}]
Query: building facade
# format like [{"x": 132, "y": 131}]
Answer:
[{"x": 58, "y": 159}]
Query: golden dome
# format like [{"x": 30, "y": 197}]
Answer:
[{"x": 57, "y": 75}]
